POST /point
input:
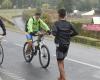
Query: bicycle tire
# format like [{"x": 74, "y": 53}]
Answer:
[
  {"x": 1, "y": 53},
  {"x": 24, "y": 53},
  {"x": 40, "y": 59}
]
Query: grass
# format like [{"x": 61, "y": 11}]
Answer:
[
  {"x": 80, "y": 20},
  {"x": 8, "y": 14},
  {"x": 87, "y": 40}
]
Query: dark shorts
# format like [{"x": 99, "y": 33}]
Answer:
[{"x": 61, "y": 52}]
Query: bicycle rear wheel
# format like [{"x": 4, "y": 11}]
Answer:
[
  {"x": 28, "y": 56},
  {"x": 44, "y": 56},
  {"x": 1, "y": 54}
]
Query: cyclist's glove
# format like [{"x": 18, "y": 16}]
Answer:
[
  {"x": 4, "y": 34},
  {"x": 32, "y": 33},
  {"x": 49, "y": 32}
]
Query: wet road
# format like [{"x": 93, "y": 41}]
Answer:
[{"x": 82, "y": 62}]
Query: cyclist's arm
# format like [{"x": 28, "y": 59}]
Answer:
[
  {"x": 30, "y": 25},
  {"x": 44, "y": 25},
  {"x": 3, "y": 27}
]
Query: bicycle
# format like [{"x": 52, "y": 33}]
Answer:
[
  {"x": 1, "y": 51},
  {"x": 40, "y": 48}
]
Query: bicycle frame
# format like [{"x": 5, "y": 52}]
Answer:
[
  {"x": 1, "y": 38},
  {"x": 39, "y": 41}
]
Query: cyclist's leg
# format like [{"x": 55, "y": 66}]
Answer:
[{"x": 29, "y": 40}]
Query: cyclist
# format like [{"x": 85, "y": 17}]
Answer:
[
  {"x": 34, "y": 26},
  {"x": 3, "y": 27}
]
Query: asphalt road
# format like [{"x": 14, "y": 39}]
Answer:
[{"x": 82, "y": 62}]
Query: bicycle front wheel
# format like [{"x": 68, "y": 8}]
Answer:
[
  {"x": 28, "y": 55},
  {"x": 1, "y": 54},
  {"x": 44, "y": 56}
]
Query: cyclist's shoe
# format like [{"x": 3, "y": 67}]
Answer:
[
  {"x": 49, "y": 32},
  {"x": 35, "y": 50},
  {"x": 28, "y": 52}
]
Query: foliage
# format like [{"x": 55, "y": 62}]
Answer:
[
  {"x": 66, "y": 4},
  {"x": 92, "y": 34},
  {"x": 6, "y": 4},
  {"x": 45, "y": 16}
]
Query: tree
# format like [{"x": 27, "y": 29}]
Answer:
[
  {"x": 67, "y": 4},
  {"x": 7, "y": 4},
  {"x": 98, "y": 5},
  {"x": 1, "y": 2}
]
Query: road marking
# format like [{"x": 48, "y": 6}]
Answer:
[
  {"x": 1, "y": 78},
  {"x": 83, "y": 63},
  {"x": 12, "y": 75},
  {"x": 97, "y": 76},
  {"x": 5, "y": 40},
  {"x": 19, "y": 45}
]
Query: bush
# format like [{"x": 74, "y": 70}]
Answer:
[
  {"x": 27, "y": 14},
  {"x": 92, "y": 34},
  {"x": 6, "y": 4},
  {"x": 86, "y": 40}
]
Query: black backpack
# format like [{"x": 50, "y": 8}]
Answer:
[{"x": 26, "y": 29}]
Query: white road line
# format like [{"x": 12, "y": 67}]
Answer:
[
  {"x": 12, "y": 75},
  {"x": 19, "y": 45},
  {"x": 1, "y": 78},
  {"x": 83, "y": 63},
  {"x": 76, "y": 61},
  {"x": 4, "y": 40}
]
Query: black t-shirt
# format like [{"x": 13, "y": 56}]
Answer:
[{"x": 63, "y": 31}]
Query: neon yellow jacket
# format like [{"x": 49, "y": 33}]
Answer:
[{"x": 33, "y": 25}]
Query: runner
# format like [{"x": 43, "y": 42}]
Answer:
[{"x": 63, "y": 31}]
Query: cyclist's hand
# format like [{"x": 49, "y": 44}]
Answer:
[
  {"x": 31, "y": 33},
  {"x": 49, "y": 32},
  {"x": 4, "y": 34},
  {"x": 39, "y": 33}
]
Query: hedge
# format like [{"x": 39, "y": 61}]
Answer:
[
  {"x": 92, "y": 34},
  {"x": 86, "y": 40}
]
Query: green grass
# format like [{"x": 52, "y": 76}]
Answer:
[
  {"x": 8, "y": 14},
  {"x": 80, "y": 20},
  {"x": 87, "y": 40}
]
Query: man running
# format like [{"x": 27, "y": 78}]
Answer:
[{"x": 63, "y": 31}]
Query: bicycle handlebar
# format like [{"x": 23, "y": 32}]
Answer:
[{"x": 42, "y": 34}]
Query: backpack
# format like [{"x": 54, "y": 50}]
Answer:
[{"x": 26, "y": 29}]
